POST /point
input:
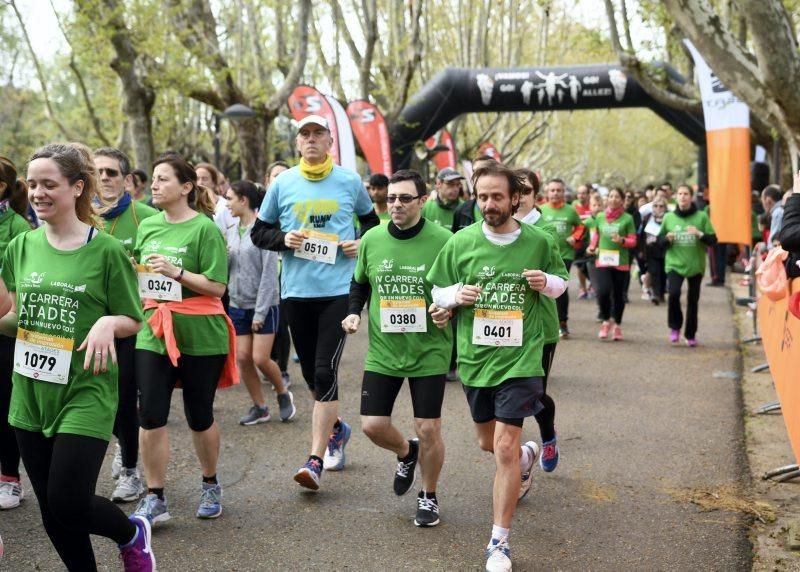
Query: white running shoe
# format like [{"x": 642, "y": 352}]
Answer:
[
  {"x": 526, "y": 480},
  {"x": 498, "y": 556},
  {"x": 116, "y": 462},
  {"x": 10, "y": 494},
  {"x": 129, "y": 486}
]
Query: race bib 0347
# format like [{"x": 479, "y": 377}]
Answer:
[{"x": 157, "y": 286}]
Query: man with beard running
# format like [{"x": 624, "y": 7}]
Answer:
[{"x": 495, "y": 273}]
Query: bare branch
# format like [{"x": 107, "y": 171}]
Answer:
[
  {"x": 298, "y": 64},
  {"x": 348, "y": 38}
]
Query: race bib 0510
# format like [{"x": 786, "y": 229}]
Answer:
[
  {"x": 403, "y": 316},
  {"x": 497, "y": 327},
  {"x": 319, "y": 247},
  {"x": 43, "y": 356},
  {"x": 157, "y": 286}
]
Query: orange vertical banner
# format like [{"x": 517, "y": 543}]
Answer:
[{"x": 729, "y": 182}]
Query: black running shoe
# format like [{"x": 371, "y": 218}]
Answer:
[
  {"x": 407, "y": 470},
  {"x": 427, "y": 511}
]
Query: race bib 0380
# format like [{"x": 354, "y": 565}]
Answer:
[
  {"x": 319, "y": 247},
  {"x": 43, "y": 356},
  {"x": 403, "y": 316},
  {"x": 497, "y": 327},
  {"x": 157, "y": 286}
]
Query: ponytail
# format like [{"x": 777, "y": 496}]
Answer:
[{"x": 16, "y": 190}]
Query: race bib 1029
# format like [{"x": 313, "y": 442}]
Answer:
[
  {"x": 403, "y": 316},
  {"x": 319, "y": 247},
  {"x": 43, "y": 356},
  {"x": 157, "y": 286},
  {"x": 497, "y": 327}
]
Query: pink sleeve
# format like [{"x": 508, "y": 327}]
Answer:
[
  {"x": 595, "y": 239},
  {"x": 630, "y": 241}
]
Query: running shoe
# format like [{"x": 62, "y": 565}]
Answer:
[
  {"x": 138, "y": 555},
  {"x": 256, "y": 415},
  {"x": 691, "y": 342},
  {"x": 582, "y": 294},
  {"x": 153, "y": 509},
  {"x": 129, "y": 486},
  {"x": 406, "y": 472},
  {"x": 646, "y": 294},
  {"x": 604, "y": 329},
  {"x": 427, "y": 511},
  {"x": 309, "y": 475},
  {"x": 10, "y": 493},
  {"x": 286, "y": 406},
  {"x": 116, "y": 462},
  {"x": 498, "y": 556},
  {"x": 334, "y": 455},
  {"x": 526, "y": 480},
  {"x": 563, "y": 330},
  {"x": 549, "y": 459},
  {"x": 295, "y": 358},
  {"x": 210, "y": 501},
  {"x": 674, "y": 336},
  {"x": 617, "y": 333},
  {"x": 655, "y": 301}
]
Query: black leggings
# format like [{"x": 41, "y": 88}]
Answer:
[
  {"x": 546, "y": 418},
  {"x": 674, "y": 313},
  {"x": 318, "y": 337},
  {"x": 282, "y": 345},
  {"x": 126, "y": 425},
  {"x": 156, "y": 377},
  {"x": 63, "y": 471},
  {"x": 658, "y": 276},
  {"x": 611, "y": 286},
  {"x": 9, "y": 452},
  {"x": 562, "y": 302}
]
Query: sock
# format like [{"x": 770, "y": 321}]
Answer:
[
  {"x": 524, "y": 459},
  {"x": 498, "y": 532},
  {"x": 212, "y": 480},
  {"x": 9, "y": 478},
  {"x": 315, "y": 458},
  {"x": 429, "y": 495},
  {"x": 135, "y": 536},
  {"x": 413, "y": 450},
  {"x": 158, "y": 492}
]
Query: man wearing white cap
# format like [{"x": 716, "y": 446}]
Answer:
[{"x": 308, "y": 214}]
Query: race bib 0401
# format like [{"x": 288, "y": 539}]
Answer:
[
  {"x": 157, "y": 286},
  {"x": 43, "y": 356},
  {"x": 608, "y": 257},
  {"x": 403, "y": 316},
  {"x": 319, "y": 247},
  {"x": 497, "y": 327}
]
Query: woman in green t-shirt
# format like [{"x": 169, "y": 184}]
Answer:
[
  {"x": 613, "y": 235},
  {"x": 686, "y": 232},
  {"x": 13, "y": 206},
  {"x": 74, "y": 291}
]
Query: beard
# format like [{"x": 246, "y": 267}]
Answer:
[{"x": 495, "y": 218}]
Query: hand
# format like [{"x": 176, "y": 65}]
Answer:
[
  {"x": 439, "y": 316},
  {"x": 467, "y": 295},
  {"x": 256, "y": 326},
  {"x": 651, "y": 239},
  {"x": 671, "y": 236},
  {"x": 99, "y": 344},
  {"x": 571, "y": 240},
  {"x": 536, "y": 279},
  {"x": 693, "y": 230},
  {"x": 163, "y": 266},
  {"x": 616, "y": 237},
  {"x": 294, "y": 239},
  {"x": 591, "y": 250},
  {"x": 350, "y": 247},
  {"x": 350, "y": 323}
]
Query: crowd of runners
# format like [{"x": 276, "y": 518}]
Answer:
[{"x": 122, "y": 296}]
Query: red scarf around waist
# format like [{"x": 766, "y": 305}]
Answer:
[{"x": 161, "y": 323}]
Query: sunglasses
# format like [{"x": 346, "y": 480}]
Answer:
[
  {"x": 110, "y": 172},
  {"x": 404, "y": 199}
]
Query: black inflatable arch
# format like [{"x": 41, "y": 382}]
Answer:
[{"x": 459, "y": 90}]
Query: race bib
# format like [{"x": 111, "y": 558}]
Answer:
[
  {"x": 652, "y": 227},
  {"x": 319, "y": 247},
  {"x": 497, "y": 328},
  {"x": 608, "y": 258},
  {"x": 157, "y": 286},
  {"x": 43, "y": 356},
  {"x": 403, "y": 316}
]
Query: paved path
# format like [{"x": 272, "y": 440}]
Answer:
[{"x": 639, "y": 421}]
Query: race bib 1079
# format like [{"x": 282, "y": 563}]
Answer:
[
  {"x": 43, "y": 356},
  {"x": 497, "y": 327}
]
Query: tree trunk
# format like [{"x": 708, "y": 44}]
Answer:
[{"x": 252, "y": 136}]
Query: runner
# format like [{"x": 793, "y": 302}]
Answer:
[
  {"x": 441, "y": 210},
  {"x": 569, "y": 227},
  {"x": 122, "y": 219},
  {"x": 529, "y": 213},
  {"x": 183, "y": 270},
  {"x": 500, "y": 268},
  {"x": 613, "y": 234},
  {"x": 655, "y": 251},
  {"x": 139, "y": 186},
  {"x": 377, "y": 188},
  {"x": 74, "y": 292},
  {"x": 689, "y": 232},
  {"x": 253, "y": 287},
  {"x": 390, "y": 273},
  {"x": 211, "y": 180},
  {"x": 584, "y": 210},
  {"x": 468, "y": 211},
  {"x": 13, "y": 206},
  {"x": 308, "y": 214}
]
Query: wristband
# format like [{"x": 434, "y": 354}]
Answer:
[{"x": 179, "y": 276}]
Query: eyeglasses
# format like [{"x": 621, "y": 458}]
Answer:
[
  {"x": 659, "y": 206},
  {"x": 110, "y": 172},
  {"x": 404, "y": 199}
]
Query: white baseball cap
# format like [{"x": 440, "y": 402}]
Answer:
[{"x": 313, "y": 119}]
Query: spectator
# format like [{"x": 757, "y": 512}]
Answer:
[
  {"x": 771, "y": 198},
  {"x": 789, "y": 235}
]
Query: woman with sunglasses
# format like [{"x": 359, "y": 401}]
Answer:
[{"x": 654, "y": 250}]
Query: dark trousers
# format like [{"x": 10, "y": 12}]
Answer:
[
  {"x": 126, "y": 424},
  {"x": 9, "y": 452},
  {"x": 610, "y": 287},
  {"x": 718, "y": 260},
  {"x": 282, "y": 345},
  {"x": 674, "y": 313},
  {"x": 562, "y": 302},
  {"x": 658, "y": 276},
  {"x": 547, "y": 416},
  {"x": 63, "y": 471}
]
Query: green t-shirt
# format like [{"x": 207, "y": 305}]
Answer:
[
  {"x": 384, "y": 217},
  {"x": 470, "y": 258},
  {"x": 395, "y": 270},
  {"x": 61, "y": 294},
  {"x": 623, "y": 225},
  {"x": 434, "y": 212},
  {"x": 124, "y": 227},
  {"x": 195, "y": 245},
  {"x": 686, "y": 255},
  {"x": 11, "y": 224},
  {"x": 549, "y": 313},
  {"x": 565, "y": 220}
]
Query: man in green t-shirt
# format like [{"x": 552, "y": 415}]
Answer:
[
  {"x": 449, "y": 185},
  {"x": 403, "y": 341},
  {"x": 495, "y": 273},
  {"x": 122, "y": 217}
]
